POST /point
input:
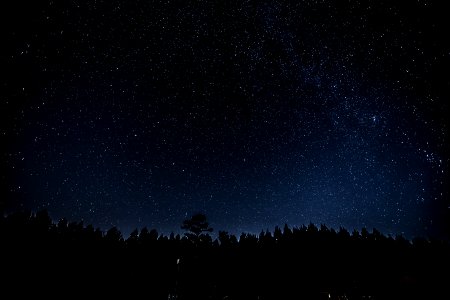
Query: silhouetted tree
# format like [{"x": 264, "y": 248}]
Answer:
[
  {"x": 42, "y": 220},
  {"x": 364, "y": 233},
  {"x": 343, "y": 233},
  {"x": 196, "y": 225},
  {"x": 277, "y": 234},
  {"x": 114, "y": 235},
  {"x": 287, "y": 232},
  {"x": 147, "y": 237},
  {"x": 133, "y": 239},
  {"x": 224, "y": 238},
  {"x": 312, "y": 229}
]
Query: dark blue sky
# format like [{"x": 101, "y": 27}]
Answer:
[{"x": 257, "y": 113}]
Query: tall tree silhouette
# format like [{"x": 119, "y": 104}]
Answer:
[
  {"x": 196, "y": 225},
  {"x": 113, "y": 235}
]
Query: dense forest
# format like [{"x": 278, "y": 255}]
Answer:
[{"x": 68, "y": 259}]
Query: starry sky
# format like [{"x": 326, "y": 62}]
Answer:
[{"x": 257, "y": 113}]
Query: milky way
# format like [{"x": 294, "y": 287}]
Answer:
[{"x": 257, "y": 113}]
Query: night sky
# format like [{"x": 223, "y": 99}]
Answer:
[{"x": 256, "y": 113}]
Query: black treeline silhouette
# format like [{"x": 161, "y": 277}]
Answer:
[{"x": 290, "y": 263}]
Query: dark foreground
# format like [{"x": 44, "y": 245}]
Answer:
[{"x": 70, "y": 260}]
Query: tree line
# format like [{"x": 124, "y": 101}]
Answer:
[{"x": 306, "y": 262}]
